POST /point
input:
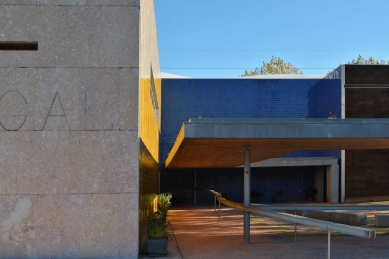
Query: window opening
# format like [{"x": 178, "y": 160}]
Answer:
[
  {"x": 18, "y": 45},
  {"x": 153, "y": 95}
]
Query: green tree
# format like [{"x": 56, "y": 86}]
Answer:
[
  {"x": 275, "y": 66},
  {"x": 371, "y": 61}
]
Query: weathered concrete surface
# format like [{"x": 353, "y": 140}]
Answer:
[
  {"x": 69, "y": 140},
  {"x": 348, "y": 218},
  {"x": 382, "y": 220},
  {"x": 322, "y": 215}
]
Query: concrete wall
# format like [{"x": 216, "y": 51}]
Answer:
[
  {"x": 367, "y": 96},
  {"x": 366, "y": 170},
  {"x": 70, "y": 173}
]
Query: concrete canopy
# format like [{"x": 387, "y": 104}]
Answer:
[{"x": 220, "y": 143}]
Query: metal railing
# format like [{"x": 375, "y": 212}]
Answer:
[
  {"x": 267, "y": 210},
  {"x": 322, "y": 207}
]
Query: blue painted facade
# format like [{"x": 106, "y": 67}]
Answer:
[{"x": 183, "y": 99}]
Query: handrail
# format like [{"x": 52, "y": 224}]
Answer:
[
  {"x": 331, "y": 226},
  {"x": 322, "y": 207}
]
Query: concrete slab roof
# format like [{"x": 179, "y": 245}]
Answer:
[
  {"x": 295, "y": 161},
  {"x": 270, "y": 76},
  {"x": 168, "y": 75},
  {"x": 220, "y": 143},
  {"x": 284, "y": 76}
]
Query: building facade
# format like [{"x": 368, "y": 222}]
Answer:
[
  {"x": 85, "y": 128},
  {"x": 350, "y": 91}
]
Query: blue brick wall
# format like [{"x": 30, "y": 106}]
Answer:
[
  {"x": 331, "y": 98},
  {"x": 335, "y": 74},
  {"x": 183, "y": 99},
  {"x": 331, "y": 103}
]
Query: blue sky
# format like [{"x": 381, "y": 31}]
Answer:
[{"x": 222, "y": 38}]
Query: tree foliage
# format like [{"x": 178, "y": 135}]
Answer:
[
  {"x": 275, "y": 66},
  {"x": 370, "y": 61}
]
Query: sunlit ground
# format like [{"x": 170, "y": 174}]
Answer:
[{"x": 197, "y": 233}]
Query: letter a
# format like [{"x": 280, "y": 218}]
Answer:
[{"x": 63, "y": 111}]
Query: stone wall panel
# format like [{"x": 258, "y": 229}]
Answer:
[
  {"x": 37, "y": 165},
  {"x": 99, "y": 228},
  {"x": 102, "y": 105},
  {"x": 79, "y": 166},
  {"x": 18, "y": 2},
  {"x": 119, "y": 162},
  {"x": 30, "y": 23},
  {"x": 8, "y": 162},
  {"x": 17, "y": 226},
  {"x": 52, "y": 162},
  {"x": 86, "y": 2},
  {"x": 128, "y": 225},
  {"x": 80, "y": 39},
  {"x": 57, "y": 228},
  {"x": 121, "y": 40},
  {"x": 4, "y": 58},
  {"x": 129, "y": 81},
  {"x": 59, "y": 94},
  {"x": 91, "y": 98},
  {"x": 17, "y": 93}
]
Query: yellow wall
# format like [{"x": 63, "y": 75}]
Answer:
[{"x": 149, "y": 127}]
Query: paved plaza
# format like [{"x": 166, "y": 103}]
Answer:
[{"x": 197, "y": 233}]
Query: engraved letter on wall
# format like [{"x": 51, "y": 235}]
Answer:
[{"x": 12, "y": 108}]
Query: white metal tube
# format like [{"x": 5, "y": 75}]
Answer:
[
  {"x": 247, "y": 177},
  {"x": 264, "y": 210},
  {"x": 295, "y": 228},
  {"x": 350, "y": 230},
  {"x": 323, "y": 207},
  {"x": 246, "y": 227},
  {"x": 329, "y": 244}
]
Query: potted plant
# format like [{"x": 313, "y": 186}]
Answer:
[
  {"x": 255, "y": 196},
  {"x": 157, "y": 236},
  {"x": 164, "y": 203},
  {"x": 312, "y": 193}
]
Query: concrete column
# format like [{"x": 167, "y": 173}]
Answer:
[
  {"x": 343, "y": 152},
  {"x": 246, "y": 227},
  {"x": 343, "y": 176},
  {"x": 319, "y": 182},
  {"x": 333, "y": 183}
]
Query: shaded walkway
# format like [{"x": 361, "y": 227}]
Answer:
[{"x": 197, "y": 234}]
